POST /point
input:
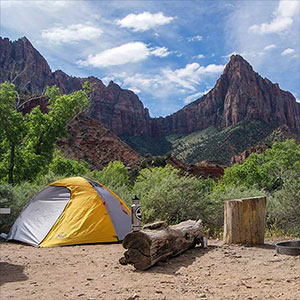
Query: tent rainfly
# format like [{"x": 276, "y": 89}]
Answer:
[{"x": 72, "y": 211}]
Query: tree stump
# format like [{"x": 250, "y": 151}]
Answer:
[
  {"x": 147, "y": 247},
  {"x": 244, "y": 221}
]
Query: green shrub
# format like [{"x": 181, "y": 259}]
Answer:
[
  {"x": 284, "y": 207},
  {"x": 169, "y": 197}
]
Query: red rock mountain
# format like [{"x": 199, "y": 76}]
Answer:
[{"x": 239, "y": 94}]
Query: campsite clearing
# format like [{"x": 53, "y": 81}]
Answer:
[{"x": 93, "y": 272}]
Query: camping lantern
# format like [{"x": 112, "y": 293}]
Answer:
[{"x": 136, "y": 215}]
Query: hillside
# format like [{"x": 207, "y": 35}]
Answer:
[
  {"x": 280, "y": 134},
  {"x": 219, "y": 146},
  {"x": 90, "y": 141}
]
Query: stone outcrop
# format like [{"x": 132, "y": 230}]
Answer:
[
  {"x": 239, "y": 94},
  {"x": 204, "y": 170},
  {"x": 255, "y": 149}
]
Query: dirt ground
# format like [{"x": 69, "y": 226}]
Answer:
[{"x": 93, "y": 272}]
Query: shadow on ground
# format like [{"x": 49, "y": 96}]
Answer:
[
  {"x": 266, "y": 246},
  {"x": 11, "y": 273},
  {"x": 185, "y": 259}
]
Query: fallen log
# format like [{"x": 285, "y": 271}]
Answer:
[{"x": 158, "y": 243}]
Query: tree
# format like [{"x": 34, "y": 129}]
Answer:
[
  {"x": 11, "y": 127},
  {"x": 266, "y": 170},
  {"x": 28, "y": 141}
]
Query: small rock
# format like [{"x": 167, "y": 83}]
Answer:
[
  {"x": 80, "y": 295},
  {"x": 90, "y": 279},
  {"x": 202, "y": 296}
]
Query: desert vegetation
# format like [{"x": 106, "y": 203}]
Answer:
[{"x": 167, "y": 195}]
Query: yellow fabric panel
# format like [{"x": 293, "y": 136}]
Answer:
[{"x": 84, "y": 220}]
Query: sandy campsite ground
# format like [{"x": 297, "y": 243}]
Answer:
[{"x": 93, "y": 272}]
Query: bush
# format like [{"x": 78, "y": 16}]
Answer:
[
  {"x": 284, "y": 207},
  {"x": 169, "y": 197}
]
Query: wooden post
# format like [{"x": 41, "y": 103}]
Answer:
[{"x": 244, "y": 221}]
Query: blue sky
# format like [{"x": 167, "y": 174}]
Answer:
[{"x": 168, "y": 52}]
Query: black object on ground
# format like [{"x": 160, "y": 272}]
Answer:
[{"x": 288, "y": 248}]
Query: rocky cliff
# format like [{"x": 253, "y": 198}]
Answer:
[
  {"x": 120, "y": 110},
  {"x": 239, "y": 94}
]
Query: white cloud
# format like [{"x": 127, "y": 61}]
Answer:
[
  {"x": 160, "y": 52},
  {"x": 287, "y": 51},
  {"x": 270, "y": 47},
  {"x": 194, "y": 97},
  {"x": 169, "y": 82},
  {"x": 191, "y": 75},
  {"x": 144, "y": 21},
  {"x": 196, "y": 38},
  {"x": 43, "y": 5},
  {"x": 127, "y": 53},
  {"x": 72, "y": 33},
  {"x": 200, "y": 56},
  {"x": 282, "y": 20}
]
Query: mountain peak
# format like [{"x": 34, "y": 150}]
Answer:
[{"x": 237, "y": 64}]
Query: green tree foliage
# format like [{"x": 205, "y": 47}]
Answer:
[
  {"x": 28, "y": 141},
  {"x": 114, "y": 174},
  {"x": 67, "y": 167},
  {"x": 266, "y": 170},
  {"x": 11, "y": 128}
]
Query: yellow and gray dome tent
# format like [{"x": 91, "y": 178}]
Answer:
[{"x": 72, "y": 211}]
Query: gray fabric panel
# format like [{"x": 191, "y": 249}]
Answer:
[
  {"x": 39, "y": 216},
  {"x": 120, "y": 217}
]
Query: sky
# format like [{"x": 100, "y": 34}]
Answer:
[{"x": 168, "y": 52}]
